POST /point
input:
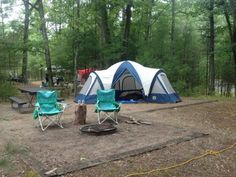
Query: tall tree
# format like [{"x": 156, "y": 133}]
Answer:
[
  {"x": 126, "y": 36},
  {"x": 25, "y": 41},
  {"x": 104, "y": 22},
  {"x": 172, "y": 37},
  {"x": 232, "y": 33},
  {"x": 45, "y": 41},
  {"x": 211, "y": 48},
  {"x": 148, "y": 21},
  {"x": 77, "y": 43},
  {"x": 102, "y": 8}
]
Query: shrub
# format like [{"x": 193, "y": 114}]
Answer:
[{"x": 6, "y": 90}]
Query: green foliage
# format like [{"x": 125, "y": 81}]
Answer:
[
  {"x": 149, "y": 42},
  {"x": 6, "y": 90}
]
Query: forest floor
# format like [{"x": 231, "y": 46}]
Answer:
[{"x": 178, "y": 132}]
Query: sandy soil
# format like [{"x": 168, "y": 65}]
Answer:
[{"x": 25, "y": 148}]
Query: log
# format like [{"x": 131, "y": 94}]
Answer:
[{"x": 80, "y": 114}]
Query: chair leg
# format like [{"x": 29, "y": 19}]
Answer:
[
  {"x": 99, "y": 118},
  {"x": 41, "y": 123},
  {"x": 56, "y": 121},
  {"x": 108, "y": 116},
  {"x": 115, "y": 117}
]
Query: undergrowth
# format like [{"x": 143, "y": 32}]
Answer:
[
  {"x": 6, "y": 90},
  {"x": 7, "y": 157}
]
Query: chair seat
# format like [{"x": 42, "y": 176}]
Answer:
[
  {"x": 109, "y": 107},
  {"x": 53, "y": 111}
]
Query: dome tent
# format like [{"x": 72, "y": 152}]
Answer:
[{"x": 131, "y": 81}]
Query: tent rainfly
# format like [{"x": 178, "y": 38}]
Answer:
[{"x": 132, "y": 82}]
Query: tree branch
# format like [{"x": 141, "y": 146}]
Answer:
[
  {"x": 33, "y": 6},
  {"x": 159, "y": 14}
]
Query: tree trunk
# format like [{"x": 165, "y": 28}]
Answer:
[
  {"x": 233, "y": 39},
  {"x": 104, "y": 27},
  {"x": 76, "y": 56},
  {"x": 172, "y": 37},
  {"x": 25, "y": 40},
  {"x": 45, "y": 41},
  {"x": 128, "y": 15},
  {"x": 148, "y": 22},
  {"x": 211, "y": 49},
  {"x": 80, "y": 114},
  {"x": 232, "y": 33},
  {"x": 104, "y": 22},
  {"x": 207, "y": 68}
]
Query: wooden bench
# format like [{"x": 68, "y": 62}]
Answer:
[{"x": 19, "y": 102}]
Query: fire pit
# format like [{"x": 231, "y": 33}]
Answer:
[{"x": 98, "y": 129}]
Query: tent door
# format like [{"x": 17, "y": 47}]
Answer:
[{"x": 128, "y": 89}]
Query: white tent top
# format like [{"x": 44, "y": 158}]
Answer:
[{"x": 146, "y": 75}]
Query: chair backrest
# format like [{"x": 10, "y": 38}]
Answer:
[
  {"x": 46, "y": 97},
  {"x": 106, "y": 95},
  {"x": 47, "y": 100}
]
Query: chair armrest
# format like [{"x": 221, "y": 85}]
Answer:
[
  {"x": 36, "y": 104},
  {"x": 117, "y": 104},
  {"x": 62, "y": 105}
]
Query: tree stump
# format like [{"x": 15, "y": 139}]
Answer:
[{"x": 80, "y": 114}]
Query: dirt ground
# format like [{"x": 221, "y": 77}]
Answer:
[{"x": 25, "y": 149}]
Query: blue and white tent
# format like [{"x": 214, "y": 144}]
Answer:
[{"x": 132, "y": 82}]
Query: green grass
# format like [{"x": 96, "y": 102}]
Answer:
[
  {"x": 8, "y": 155},
  {"x": 6, "y": 165},
  {"x": 12, "y": 149},
  {"x": 3, "y": 162},
  {"x": 7, "y": 117}
]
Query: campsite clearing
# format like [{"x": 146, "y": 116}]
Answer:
[{"x": 173, "y": 137}]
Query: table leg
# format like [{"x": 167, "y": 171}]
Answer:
[{"x": 31, "y": 99}]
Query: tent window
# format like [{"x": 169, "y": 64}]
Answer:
[
  {"x": 95, "y": 87},
  {"x": 157, "y": 88},
  {"x": 86, "y": 86},
  {"x": 166, "y": 83},
  {"x": 128, "y": 83}
]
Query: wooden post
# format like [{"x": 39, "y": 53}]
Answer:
[{"x": 80, "y": 114}]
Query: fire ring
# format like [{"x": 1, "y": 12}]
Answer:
[{"x": 99, "y": 129}]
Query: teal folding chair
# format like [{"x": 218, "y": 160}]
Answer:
[
  {"x": 107, "y": 105},
  {"x": 47, "y": 110}
]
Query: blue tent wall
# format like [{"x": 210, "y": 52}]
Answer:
[{"x": 89, "y": 99}]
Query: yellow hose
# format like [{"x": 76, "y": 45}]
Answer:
[{"x": 208, "y": 152}]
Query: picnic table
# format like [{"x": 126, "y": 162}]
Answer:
[{"x": 30, "y": 93}]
